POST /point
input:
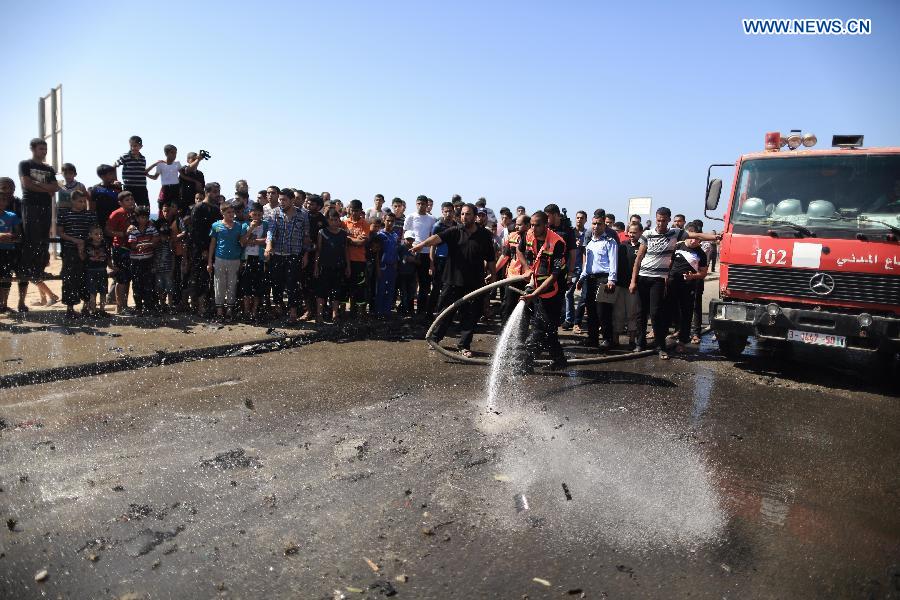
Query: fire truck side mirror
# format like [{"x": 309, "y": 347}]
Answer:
[{"x": 713, "y": 193}]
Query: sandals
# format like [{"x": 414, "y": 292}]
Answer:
[{"x": 466, "y": 353}]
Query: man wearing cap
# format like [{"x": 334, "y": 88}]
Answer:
[
  {"x": 481, "y": 204},
  {"x": 420, "y": 225}
]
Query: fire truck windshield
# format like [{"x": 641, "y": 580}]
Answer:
[{"x": 856, "y": 192}]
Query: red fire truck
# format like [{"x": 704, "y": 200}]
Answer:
[{"x": 810, "y": 251}]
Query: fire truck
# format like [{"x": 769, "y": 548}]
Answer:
[{"x": 809, "y": 252}]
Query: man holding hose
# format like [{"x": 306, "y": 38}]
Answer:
[
  {"x": 470, "y": 262},
  {"x": 545, "y": 254}
]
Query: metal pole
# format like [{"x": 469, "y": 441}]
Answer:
[{"x": 54, "y": 162}]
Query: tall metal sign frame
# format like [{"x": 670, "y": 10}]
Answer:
[{"x": 50, "y": 130}]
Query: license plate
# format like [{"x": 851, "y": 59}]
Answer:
[{"x": 817, "y": 339}]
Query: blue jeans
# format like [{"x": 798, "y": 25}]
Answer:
[
  {"x": 384, "y": 289},
  {"x": 571, "y": 314}
]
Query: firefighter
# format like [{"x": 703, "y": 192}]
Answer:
[
  {"x": 544, "y": 252},
  {"x": 509, "y": 258}
]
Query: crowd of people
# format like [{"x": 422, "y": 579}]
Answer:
[{"x": 296, "y": 255}]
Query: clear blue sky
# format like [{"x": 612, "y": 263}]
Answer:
[{"x": 582, "y": 104}]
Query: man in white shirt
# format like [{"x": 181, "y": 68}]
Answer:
[{"x": 420, "y": 225}]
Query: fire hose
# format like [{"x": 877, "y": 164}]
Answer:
[{"x": 486, "y": 361}]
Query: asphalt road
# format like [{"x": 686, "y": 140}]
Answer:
[{"x": 368, "y": 469}]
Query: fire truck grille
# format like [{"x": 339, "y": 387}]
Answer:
[{"x": 853, "y": 287}]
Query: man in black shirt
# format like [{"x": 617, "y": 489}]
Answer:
[
  {"x": 470, "y": 255},
  {"x": 203, "y": 215},
  {"x": 312, "y": 206},
  {"x": 38, "y": 186}
]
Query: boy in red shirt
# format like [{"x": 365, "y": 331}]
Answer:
[{"x": 117, "y": 229}]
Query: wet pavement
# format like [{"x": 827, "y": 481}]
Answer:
[{"x": 376, "y": 468}]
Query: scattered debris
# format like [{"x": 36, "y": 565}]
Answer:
[
  {"x": 625, "y": 569},
  {"x": 11, "y": 524},
  {"x": 521, "y": 503},
  {"x": 155, "y": 564},
  {"x": 171, "y": 549},
  {"x": 118, "y": 488},
  {"x": 384, "y": 587},
  {"x": 41, "y": 575},
  {"x": 575, "y": 592},
  {"x": 93, "y": 557},
  {"x": 232, "y": 459},
  {"x": 291, "y": 550},
  {"x": 148, "y": 539},
  {"x": 503, "y": 478},
  {"x": 401, "y": 578},
  {"x": 566, "y": 491},
  {"x": 29, "y": 424},
  {"x": 726, "y": 568},
  {"x": 249, "y": 404},
  {"x": 136, "y": 512},
  {"x": 476, "y": 462},
  {"x": 355, "y": 590},
  {"x": 371, "y": 564},
  {"x": 543, "y": 582},
  {"x": 3, "y": 424}
]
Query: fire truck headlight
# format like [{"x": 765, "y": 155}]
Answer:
[
  {"x": 794, "y": 141},
  {"x": 865, "y": 320},
  {"x": 773, "y": 310},
  {"x": 809, "y": 140}
]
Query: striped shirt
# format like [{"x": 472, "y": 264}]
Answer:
[
  {"x": 660, "y": 250},
  {"x": 76, "y": 224},
  {"x": 141, "y": 242},
  {"x": 288, "y": 235},
  {"x": 133, "y": 169}
]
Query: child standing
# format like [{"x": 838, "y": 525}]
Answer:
[
  {"x": 253, "y": 278},
  {"x": 69, "y": 185},
  {"x": 387, "y": 248},
  {"x": 164, "y": 258},
  {"x": 689, "y": 265},
  {"x": 116, "y": 229},
  {"x": 134, "y": 166},
  {"x": 168, "y": 169},
  {"x": 406, "y": 274},
  {"x": 332, "y": 266},
  {"x": 74, "y": 226},
  {"x": 10, "y": 233},
  {"x": 225, "y": 250},
  {"x": 96, "y": 260},
  {"x": 142, "y": 241}
]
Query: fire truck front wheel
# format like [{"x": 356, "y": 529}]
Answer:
[{"x": 731, "y": 345}]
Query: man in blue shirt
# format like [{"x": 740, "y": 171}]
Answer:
[{"x": 599, "y": 275}]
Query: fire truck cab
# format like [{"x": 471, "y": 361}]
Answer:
[{"x": 810, "y": 252}]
